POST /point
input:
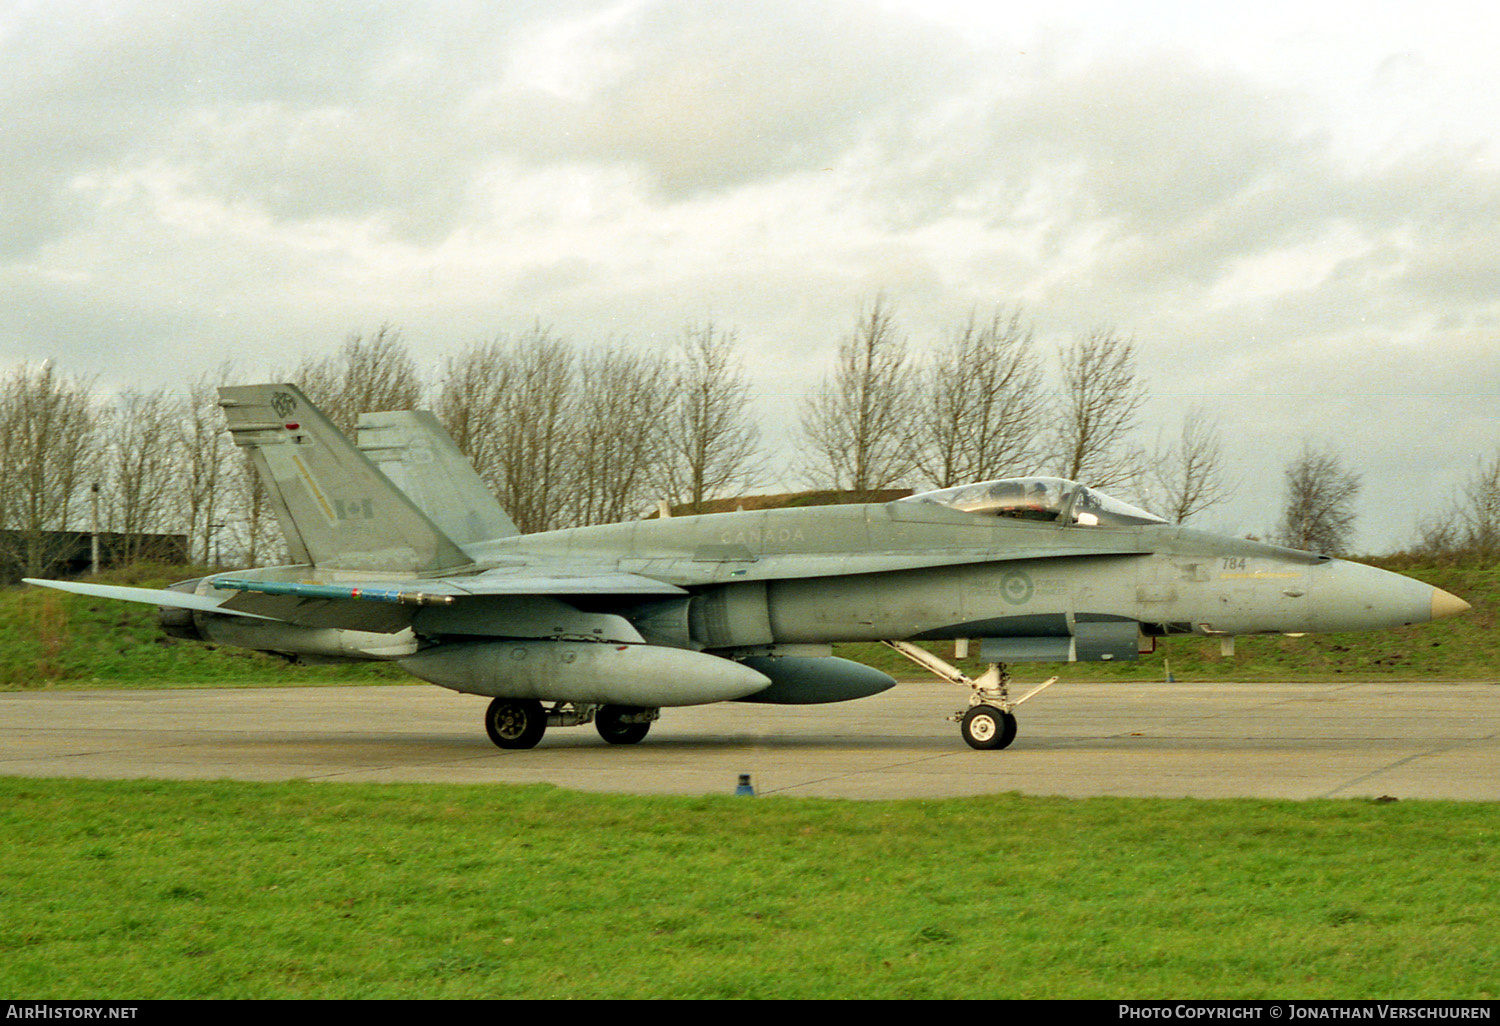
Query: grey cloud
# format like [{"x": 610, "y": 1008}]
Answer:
[
  {"x": 395, "y": 111},
  {"x": 714, "y": 96},
  {"x": 1140, "y": 146},
  {"x": 303, "y": 109},
  {"x": 1161, "y": 178}
]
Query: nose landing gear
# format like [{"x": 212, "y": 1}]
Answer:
[
  {"x": 986, "y": 727},
  {"x": 989, "y": 721}
]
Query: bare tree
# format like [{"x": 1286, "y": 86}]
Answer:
[
  {"x": 249, "y": 537},
  {"x": 1100, "y": 400},
  {"x": 1439, "y": 539},
  {"x": 207, "y": 462},
  {"x": 139, "y": 469},
  {"x": 978, "y": 405},
  {"x": 619, "y": 421},
  {"x": 710, "y": 441},
  {"x": 1188, "y": 476},
  {"x": 1470, "y": 527},
  {"x": 47, "y": 458},
  {"x": 364, "y": 376},
  {"x": 1481, "y": 509},
  {"x": 508, "y": 404},
  {"x": 470, "y": 396},
  {"x": 859, "y": 427},
  {"x": 1320, "y": 498}
]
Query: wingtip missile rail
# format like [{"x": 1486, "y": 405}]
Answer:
[{"x": 336, "y": 591}]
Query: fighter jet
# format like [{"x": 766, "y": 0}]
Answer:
[{"x": 402, "y": 555}]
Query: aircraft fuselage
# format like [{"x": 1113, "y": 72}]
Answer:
[{"x": 876, "y": 572}]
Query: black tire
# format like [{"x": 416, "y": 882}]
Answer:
[
  {"x": 515, "y": 722},
  {"x": 607, "y": 722},
  {"x": 987, "y": 728}
]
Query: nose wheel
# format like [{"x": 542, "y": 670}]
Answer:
[
  {"x": 988, "y": 724},
  {"x": 986, "y": 728}
]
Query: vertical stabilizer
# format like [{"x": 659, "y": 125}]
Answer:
[
  {"x": 414, "y": 451},
  {"x": 335, "y": 507}
]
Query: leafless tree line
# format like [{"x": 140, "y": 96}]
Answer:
[
  {"x": 982, "y": 405},
  {"x": 150, "y": 462},
  {"x": 565, "y": 435},
  {"x": 568, "y": 434},
  {"x": 1468, "y": 529},
  {"x": 47, "y": 427}
]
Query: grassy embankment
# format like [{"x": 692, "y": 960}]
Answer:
[
  {"x": 49, "y": 639},
  {"x": 54, "y": 639},
  {"x": 134, "y": 890}
]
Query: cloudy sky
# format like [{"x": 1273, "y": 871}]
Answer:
[{"x": 1294, "y": 208}]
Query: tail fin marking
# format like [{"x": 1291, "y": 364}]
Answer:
[{"x": 337, "y": 510}]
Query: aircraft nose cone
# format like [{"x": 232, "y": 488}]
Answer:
[
  {"x": 1358, "y": 597},
  {"x": 1444, "y": 604}
]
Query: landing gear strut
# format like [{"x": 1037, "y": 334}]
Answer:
[{"x": 989, "y": 721}]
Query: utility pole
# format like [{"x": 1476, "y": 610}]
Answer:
[{"x": 94, "y": 530}]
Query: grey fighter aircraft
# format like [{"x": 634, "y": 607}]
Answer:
[{"x": 403, "y": 555}]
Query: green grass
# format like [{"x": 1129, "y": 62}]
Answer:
[
  {"x": 133, "y": 890},
  {"x": 51, "y": 638}
]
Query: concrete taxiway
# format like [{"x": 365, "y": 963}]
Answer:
[{"x": 1340, "y": 740}]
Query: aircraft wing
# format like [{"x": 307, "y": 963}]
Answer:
[
  {"x": 561, "y": 580},
  {"x": 444, "y": 592},
  {"x": 374, "y": 605},
  {"x": 390, "y": 605},
  {"x": 154, "y": 596}
]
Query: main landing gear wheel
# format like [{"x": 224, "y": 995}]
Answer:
[
  {"x": 515, "y": 722},
  {"x": 987, "y": 728},
  {"x": 609, "y": 721}
]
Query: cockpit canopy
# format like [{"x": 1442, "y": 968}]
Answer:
[{"x": 1039, "y": 498}]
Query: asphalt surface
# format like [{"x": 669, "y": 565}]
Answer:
[{"x": 1341, "y": 740}]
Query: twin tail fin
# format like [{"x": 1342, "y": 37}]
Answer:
[{"x": 337, "y": 510}]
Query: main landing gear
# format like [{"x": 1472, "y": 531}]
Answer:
[
  {"x": 989, "y": 722},
  {"x": 515, "y": 722},
  {"x": 521, "y": 722}
]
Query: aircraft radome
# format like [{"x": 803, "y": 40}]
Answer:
[{"x": 417, "y": 564}]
